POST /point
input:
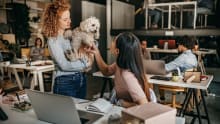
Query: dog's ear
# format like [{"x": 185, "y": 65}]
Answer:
[
  {"x": 68, "y": 34},
  {"x": 84, "y": 26}
]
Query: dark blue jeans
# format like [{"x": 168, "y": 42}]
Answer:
[{"x": 71, "y": 85}]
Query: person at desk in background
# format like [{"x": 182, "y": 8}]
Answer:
[
  {"x": 131, "y": 83},
  {"x": 154, "y": 12},
  {"x": 70, "y": 78},
  {"x": 146, "y": 54},
  {"x": 37, "y": 52},
  {"x": 203, "y": 7},
  {"x": 186, "y": 60},
  {"x": 151, "y": 12}
]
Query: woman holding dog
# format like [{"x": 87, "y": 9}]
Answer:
[
  {"x": 70, "y": 79},
  {"x": 131, "y": 84}
]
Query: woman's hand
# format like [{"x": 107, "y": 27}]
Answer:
[{"x": 93, "y": 49}]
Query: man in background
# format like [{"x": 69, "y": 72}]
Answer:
[
  {"x": 186, "y": 60},
  {"x": 145, "y": 52}
]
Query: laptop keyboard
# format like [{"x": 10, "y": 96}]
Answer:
[
  {"x": 87, "y": 117},
  {"x": 83, "y": 120},
  {"x": 161, "y": 78}
]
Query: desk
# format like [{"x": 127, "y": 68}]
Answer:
[
  {"x": 203, "y": 85},
  {"x": 29, "y": 117},
  {"x": 167, "y": 7},
  {"x": 36, "y": 70},
  {"x": 107, "y": 79}
]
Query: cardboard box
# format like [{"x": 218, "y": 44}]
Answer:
[{"x": 149, "y": 113}]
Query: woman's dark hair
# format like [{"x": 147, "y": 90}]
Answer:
[
  {"x": 188, "y": 42},
  {"x": 35, "y": 43},
  {"x": 130, "y": 57}
]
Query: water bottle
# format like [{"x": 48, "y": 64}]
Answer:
[{"x": 165, "y": 45}]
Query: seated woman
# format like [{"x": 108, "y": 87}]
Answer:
[
  {"x": 145, "y": 52},
  {"x": 37, "y": 52},
  {"x": 131, "y": 84}
]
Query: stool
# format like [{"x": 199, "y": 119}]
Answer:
[{"x": 174, "y": 90}]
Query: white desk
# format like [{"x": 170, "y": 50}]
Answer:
[
  {"x": 202, "y": 51},
  {"x": 192, "y": 91},
  {"x": 107, "y": 79},
  {"x": 37, "y": 73},
  {"x": 29, "y": 117},
  {"x": 167, "y": 7},
  {"x": 203, "y": 85}
]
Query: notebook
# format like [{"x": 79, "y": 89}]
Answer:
[
  {"x": 100, "y": 105},
  {"x": 59, "y": 109}
]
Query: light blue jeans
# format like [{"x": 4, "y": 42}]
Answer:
[
  {"x": 156, "y": 14},
  {"x": 71, "y": 85}
]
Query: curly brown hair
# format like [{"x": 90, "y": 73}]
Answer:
[{"x": 51, "y": 17}]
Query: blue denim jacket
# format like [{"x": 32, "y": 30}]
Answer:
[{"x": 187, "y": 60}]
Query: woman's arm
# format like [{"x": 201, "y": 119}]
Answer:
[
  {"x": 127, "y": 104},
  {"x": 103, "y": 67},
  {"x": 57, "y": 53}
]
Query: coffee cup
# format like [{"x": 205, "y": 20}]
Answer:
[{"x": 155, "y": 46}]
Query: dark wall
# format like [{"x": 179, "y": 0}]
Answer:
[{"x": 76, "y": 10}]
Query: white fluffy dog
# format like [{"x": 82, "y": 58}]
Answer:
[{"x": 83, "y": 36}]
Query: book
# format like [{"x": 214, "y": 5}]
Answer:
[
  {"x": 100, "y": 105},
  {"x": 149, "y": 113}
]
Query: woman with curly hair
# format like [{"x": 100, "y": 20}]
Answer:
[{"x": 70, "y": 79}]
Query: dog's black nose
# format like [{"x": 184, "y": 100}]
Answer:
[{"x": 93, "y": 25}]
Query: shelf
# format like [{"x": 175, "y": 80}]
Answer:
[
  {"x": 5, "y": 8},
  {"x": 176, "y": 32}
]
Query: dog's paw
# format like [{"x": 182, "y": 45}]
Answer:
[
  {"x": 71, "y": 56},
  {"x": 68, "y": 34}
]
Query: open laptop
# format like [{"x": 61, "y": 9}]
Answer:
[
  {"x": 155, "y": 67},
  {"x": 58, "y": 109}
]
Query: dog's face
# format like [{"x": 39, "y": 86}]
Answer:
[{"x": 91, "y": 25}]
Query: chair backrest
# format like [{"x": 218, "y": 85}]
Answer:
[
  {"x": 46, "y": 52},
  {"x": 25, "y": 52}
]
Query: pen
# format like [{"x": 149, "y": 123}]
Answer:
[{"x": 18, "y": 97}]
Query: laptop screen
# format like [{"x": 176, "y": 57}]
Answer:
[{"x": 58, "y": 109}]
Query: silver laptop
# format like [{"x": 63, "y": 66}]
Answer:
[
  {"x": 155, "y": 67},
  {"x": 58, "y": 109}
]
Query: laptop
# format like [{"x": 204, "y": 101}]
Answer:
[
  {"x": 155, "y": 67},
  {"x": 58, "y": 109}
]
